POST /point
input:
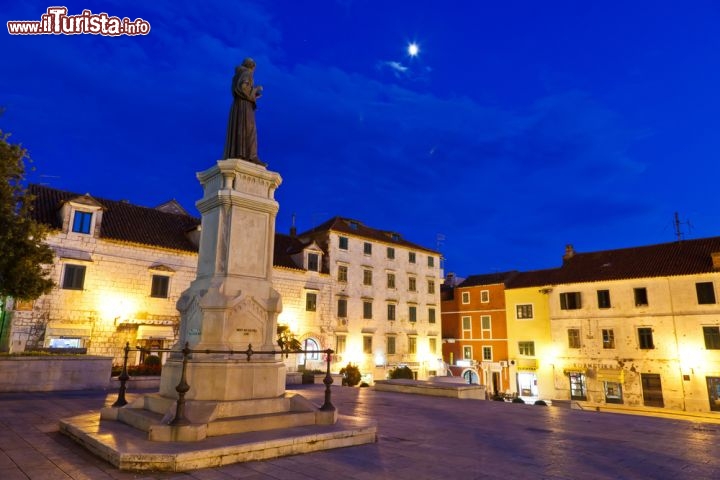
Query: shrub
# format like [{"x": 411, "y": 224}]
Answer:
[
  {"x": 518, "y": 400},
  {"x": 351, "y": 375},
  {"x": 152, "y": 360},
  {"x": 364, "y": 384},
  {"x": 541, "y": 402},
  {"x": 401, "y": 372}
]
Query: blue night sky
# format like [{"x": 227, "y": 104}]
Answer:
[{"x": 521, "y": 126}]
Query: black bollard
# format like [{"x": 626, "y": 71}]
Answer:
[
  {"x": 124, "y": 377},
  {"x": 328, "y": 381},
  {"x": 182, "y": 388}
]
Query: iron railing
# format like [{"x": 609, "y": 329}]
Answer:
[{"x": 183, "y": 387}]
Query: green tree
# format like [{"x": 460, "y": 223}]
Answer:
[
  {"x": 286, "y": 339},
  {"x": 24, "y": 256}
]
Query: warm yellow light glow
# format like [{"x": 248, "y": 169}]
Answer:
[
  {"x": 353, "y": 352},
  {"x": 117, "y": 306},
  {"x": 289, "y": 318},
  {"x": 379, "y": 359},
  {"x": 691, "y": 357}
]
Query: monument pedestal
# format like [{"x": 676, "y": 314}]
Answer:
[{"x": 229, "y": 308}]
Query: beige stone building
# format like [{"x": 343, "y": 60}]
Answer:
[
  {"x": 378, "y": 298},
  {"x": 638, "y": 326},
  {"x": 120, "y": 269}
]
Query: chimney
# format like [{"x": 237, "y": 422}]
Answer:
[
  {"x": 293, "y": 229},
  {"x": 569, "y": 252},
  {"x": 715, "y": 260}
]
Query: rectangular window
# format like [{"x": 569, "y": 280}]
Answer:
[
  {"x": 342, "y": 273},
  {"x": 485, "y": 326},
  {"x": 573, "y": 337},
  {"x": 390, "y": 280},
  {"x": 367, "y": 248},
  {"x": 712, "y": 337},
  {"x": 523, "y": 312},
  {"x": 641, "y": 297},
  {"x": 343, "y": 243},
  {"x": 466, "y": 323},
  {"x": 367, "y": 277},
  {"x": 603, "y": 297},
  {"x": 367, "y": 310},
  {"x": 411, "y": 257},
  {"x": 431, "y": 286},
  {"x": 577, "y": 386},
  {"x": 412, "y": 345},
  {"x": 432, "y": 345},
  {"x": 431, "y": 261},
  {"x": 645, "y": 338},
  {"x": 467, "y": 353},
  {"x": 74, "y": 277},
  {"x": 613, "y": 392},
  {"x": 160, "y": 286},
  {"x": 705, "y": 293},
  {"x": 391, "y": 345},
  {"x": 313, "y": 262},
  {"x": 465, "y": 297},
  {"x": 608, "y": 338},
  {"x": 412, "y": 313},
  {"x": 342, "y": 308},
  {"x": 484, "y": 296},
  {"x": 431, "y": 315},
  {"x": 391, "y": 253},
  {"x": 340, "y": 342},
  {"x": 570, "y": 301},
  {"x": 487, "y": 354},
  {"x": 367, "y": 344},
  {"x": 310, "y": 302},
  {"x": 391, "y": 311},
  {"x": 81, "y": 222},
  {"x": 412, "y": 286},
  {"x": 526, "y": 348}
]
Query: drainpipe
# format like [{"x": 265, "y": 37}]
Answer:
[{"x": 677, "y": 343}]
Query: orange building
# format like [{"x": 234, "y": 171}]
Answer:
[{"x": 474, "y": 330}]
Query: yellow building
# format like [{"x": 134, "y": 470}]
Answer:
[{"x": 530, "y": 348}]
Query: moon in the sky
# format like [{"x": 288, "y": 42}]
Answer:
[{"x": 413, "y": 49}]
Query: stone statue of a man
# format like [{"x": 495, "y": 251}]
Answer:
[{"x": 241, "y": 141}]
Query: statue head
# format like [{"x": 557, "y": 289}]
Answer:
[{"x": 248, "y": 63}]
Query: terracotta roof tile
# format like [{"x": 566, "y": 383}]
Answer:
[
  {"x": 488, "y": 279},
  {"x": 358, "y": 229},
  {"x": 121, "y": 221}
]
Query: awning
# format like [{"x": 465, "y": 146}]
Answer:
[
  {"x": 526, "y": 363},
  {"x": 58, "y": 329},
  {"x": 610, "y": 375},
  {"x": 162, "y": 332}
]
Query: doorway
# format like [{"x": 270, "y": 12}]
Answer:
[
  {"x": 527, "y": 384},
  {"x": 713, "y": 386},
  {"x": 652, "y": 390}
]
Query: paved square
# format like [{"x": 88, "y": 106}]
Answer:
[{"x": 418, "y": 438}]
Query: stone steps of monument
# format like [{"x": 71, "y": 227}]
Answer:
[
  {"x": 257, "y": 423},
  {"x": 139, "y": 418}
]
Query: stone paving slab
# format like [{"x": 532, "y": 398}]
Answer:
[{"x": 418, "y": 438}]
